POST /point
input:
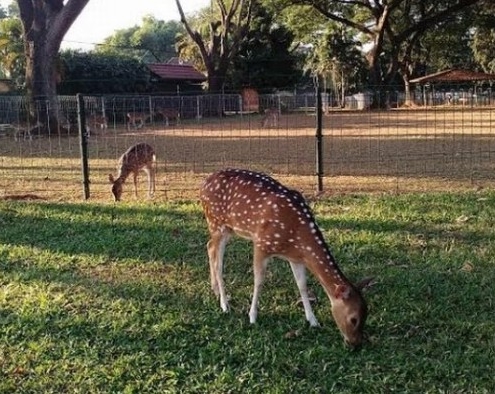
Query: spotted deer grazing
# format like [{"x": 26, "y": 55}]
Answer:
[
  {"x": 270, "y": 118},
  {"x": 168, "y": 115},
  {"x": 279, "y": 223},
  {"x": 137, "y": 119},
  {"x": 138, "y": 157}
]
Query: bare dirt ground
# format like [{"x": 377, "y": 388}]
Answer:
[{"x": 385, "y": 151}]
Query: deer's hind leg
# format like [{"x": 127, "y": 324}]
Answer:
[
  {"x": 150, "y": 173},
  {"x": 134, "y": 178},
  {"x": 260, "y": 262},
  {"x": 216, "y": 250}
]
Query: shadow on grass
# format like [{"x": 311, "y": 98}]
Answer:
[
  {"x": 137, "y": 305},
  {"x": 145, "y": 233}
]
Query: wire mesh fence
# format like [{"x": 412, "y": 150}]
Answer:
[{"x": 429, "y": 147}]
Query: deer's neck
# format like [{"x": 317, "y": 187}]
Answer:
[
  {"x": 319, "y": 260},
  {"x": 123, "y": 174},
  {"x": 121, "y": 177}
]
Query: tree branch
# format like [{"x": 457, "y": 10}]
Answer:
[{"x": 195, "y": 36}]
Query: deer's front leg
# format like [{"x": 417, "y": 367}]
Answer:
[
  {"x": 151, "y": 180},
  {"x": 134, "y": 178}
]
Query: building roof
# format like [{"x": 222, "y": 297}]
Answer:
[
  {"x": 454, "y": 75},
  {"x": 175, "y": 72}
]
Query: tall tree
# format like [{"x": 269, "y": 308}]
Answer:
[
  {"x": 154, "y": 40},
  {"x": 484, "y": 36},
  {"x": 45, "y": 23},
  {"x": 102, "y": 73},
  {"x": 227, "y": 28},
  {"x": 336, "y": 59},
  {"x": 265, "y": 59},
  {"x": 390, "y": 29}
]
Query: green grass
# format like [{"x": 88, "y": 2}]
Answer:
[{"x": 116, "y": 298}]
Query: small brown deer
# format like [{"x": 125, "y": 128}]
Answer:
[
  {"x": 95, "y": 121},
  {"x": 271, "y": 118},
  {"x": 168, "y": 115},
  {"x": 279, "y": 223},
  {"x": 138, "y": 157},
  {"x": 137, "y": 119}
]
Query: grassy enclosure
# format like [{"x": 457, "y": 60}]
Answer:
[
  {"x": 416, "y": 150},
  {"x": 103, "y": 297},
  {"x": 116, "y": 298}
]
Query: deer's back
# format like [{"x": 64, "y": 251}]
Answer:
[
  {"x": 258, "y": 207},
  {"x": 137, "y": 156}
]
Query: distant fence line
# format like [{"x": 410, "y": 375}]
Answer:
[
  {"x": 451, "y": 140},
  {"x": 14, "y": 109}
]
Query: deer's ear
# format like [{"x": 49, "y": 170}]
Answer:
[
  {"x": 365, "y": 283},
  {"x": 342, "y": 292},
  {"x": 110, "y": 178}
]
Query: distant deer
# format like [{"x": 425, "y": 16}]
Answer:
[
  {"x": 64, "y": 124},
  {"x": 169, "y": 114},
  {"x": 23, "y": 131},
  {"x": 138, "y": 157},
  {"x": 279, "y": 223},
  {"x": 137, "y": 119},
  {"x": 95, "y": 121},
  {"x": 270, "y": 118}
]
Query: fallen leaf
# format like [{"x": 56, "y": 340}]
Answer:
[
  {"x": 292, "y": 334},
  {"x": 462, "y": 219}
]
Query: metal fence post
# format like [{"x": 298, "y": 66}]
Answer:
[
  {"x": 83, "y": 140},
  {"x": 319, "y": 135}
]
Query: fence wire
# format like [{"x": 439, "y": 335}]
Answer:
[{"x": 440, "y": 145}]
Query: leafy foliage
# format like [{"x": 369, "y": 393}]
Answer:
[
  {"x": 12, "y": 59},
  {"x": 261, "y": 43},
  {"x": 335, "y": 58},
  {"x": 216, "y": 36},
  {"x": 153, "y": 41},
  {"x": 450, "y": 49},
  {"x": 97, "y": 73},
  {"x": 391, "y": 31},
  {"x": 265, "y": 60},
  {"x": 484, "y": 37}
]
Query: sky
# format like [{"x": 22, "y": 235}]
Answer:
[{"x": 100, "y": 18}]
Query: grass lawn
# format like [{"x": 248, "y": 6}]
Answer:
[{"x": 97, "y": 297}]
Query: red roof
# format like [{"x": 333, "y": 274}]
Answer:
[
  {"x": 183, "y": 72},
  {"x": 454, "y": 76}
]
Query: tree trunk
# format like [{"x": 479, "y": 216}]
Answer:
[
  {"x": 41, "y": 84},
  {"x": 220, "y": 46},
  {"x": 215, "y": 82},
  {"x": 45, "y": 23},
  {"x": 407, "y": 92}
]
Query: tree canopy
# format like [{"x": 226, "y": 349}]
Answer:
[
  {"x": 102, "y": 73},
  {"x": 217, "y": 36},
  {"x": 13, "y": 61},
  {"x": 483, "y": 41},
  {"x": 390, "y": 33},
  {"x": 152, "y": 41},
  {"x": 258, "y": 43},
  {"x": 265, "y": 58}
]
